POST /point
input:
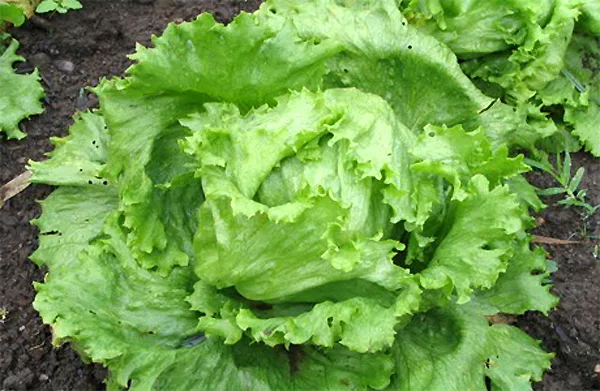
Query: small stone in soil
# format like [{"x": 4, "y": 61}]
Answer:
[
  {"x": 10, "y": 381},
  {"x": 40, "y": 59},
  {"x": 64, "y": 66}
]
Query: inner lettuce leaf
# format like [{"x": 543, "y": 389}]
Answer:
[
  {"x": 318, "y": 199},
  {"x": 340, "y": 154}
]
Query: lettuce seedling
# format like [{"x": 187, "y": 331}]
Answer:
[{"x": 60, "y": 6}]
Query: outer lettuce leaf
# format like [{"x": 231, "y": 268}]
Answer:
[
  {"x": 480, "y": 214},
  {"x": 540, "y": 31},
  {"x": 420, "y": 79},
  {"x": 578, "y": 90},
  {"x": 522, "y": 52},
  {"x": 75, "y": 213},
  {"x": 20, "y": 96},
  {"x": 523, "y": 126},
  {"x": 583, "y": 110},
  {"x": 590, "y": 18},
  {"x": 526, "y": 193},
  {"x": 432, "y": 357},
  {"x": 211, "y": 365},
  {"x": 584, "y": 120},
  {"x": 475, "y": 243},
  {"x": 523, "y": 287},
  {"x": 77, "y": 159}
]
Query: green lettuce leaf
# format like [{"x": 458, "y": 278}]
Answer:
[
  {"x": 475, "y": 28},
  {"x": 537, "y": 61},
  {"x": 475, "y": 243},
  {"x": 525, "y": 53},
  {"x": 12, "y": 14},
  {"x": 590, "y": 18},
  {"x": 431, "y": 357},
  {"x": 349, "y": 323},
  {"x": 577, "y": 89},
  {"x": 583, "y": 108},
  {"x": 523, "y": 287},
  {"x": 408, "y": 69},
  {"x": 322, "y": 171},
  {"x": 456, "y": 156},
  {"x": 75, "y": 213},
  {"x": 77, "y": 159},
  {"x": 21, "y": 94}
]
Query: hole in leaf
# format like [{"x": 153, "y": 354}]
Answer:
[{"x": 488, "y": 383}]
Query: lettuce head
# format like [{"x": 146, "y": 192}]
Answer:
[{"x": 313, "y": 197}]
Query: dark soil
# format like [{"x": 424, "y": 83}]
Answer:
[
  {"x": 573, "y": 329},
  {"x": 95, "y": 41}
]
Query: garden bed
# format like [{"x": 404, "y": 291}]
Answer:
[{"x": 74, "y": 51}]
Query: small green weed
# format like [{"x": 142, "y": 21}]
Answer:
[
  {"x": 568, "y": 185},
  {"x": 60, "y": 6}
]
